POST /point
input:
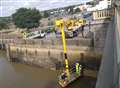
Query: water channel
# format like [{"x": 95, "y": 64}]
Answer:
[{"x": 15, "y": 75}]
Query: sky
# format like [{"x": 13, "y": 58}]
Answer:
[{"x": 7, "y": 7}]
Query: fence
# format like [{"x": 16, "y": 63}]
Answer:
[{"x": 103, "y": 14}]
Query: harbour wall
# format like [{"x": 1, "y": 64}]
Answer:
[{"x": 49, "y": 54}]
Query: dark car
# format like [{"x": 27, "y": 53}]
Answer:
[
  {"x": 87, "y": 14},
  {"x": 75, "y": 33},
  {"x": 50, "y": 29},
  {"x": 71, "y": 34}
]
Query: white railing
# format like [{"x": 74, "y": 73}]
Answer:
[{"x": 103, "y": 14}]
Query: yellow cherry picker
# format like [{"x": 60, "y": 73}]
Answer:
[{"x": 68, "y": 75}]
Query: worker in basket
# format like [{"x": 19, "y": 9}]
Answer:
[
  {"x": 63, "y": 76},
  {"x": 78, "y": 68},
  {"x": 82, "y": 62}
]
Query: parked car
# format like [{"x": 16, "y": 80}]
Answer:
[
  {"x": 50, "y": 29},
  {"x": 87, "y": 14},
  {"x": 43, "y": 34},
  {"x": 71, "y": 34}
]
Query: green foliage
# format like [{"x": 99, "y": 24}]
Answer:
[
  {"x": 66, "y": 8},
  {"x": 77, "y": 10},
  {"x": 46, "y": 14},
  {"x": 50, "y": 23},
  {"x": 3, "y": 25},
  {"x": 26, "y": 18},
  {"x": 71, "y": 10},
  {"x": 4, "y": 22},
  {"x": 50, "y": 30},
  {"x": 5, "y": 19}
]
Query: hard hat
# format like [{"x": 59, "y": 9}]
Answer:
[{"x": 80, "y": 65}]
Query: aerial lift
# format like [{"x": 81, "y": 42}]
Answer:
[
  {"x": 73, "y": 26},
  {"x": 69, "y": 74}
]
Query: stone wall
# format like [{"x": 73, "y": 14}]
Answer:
[
  {"x": 48, "y": 56},
  {"x": 106, "y": 70},
  {"x": 100, "y": 37},
  {"x": 98, "y": 34},
  {"x": 49, "y": 53}
]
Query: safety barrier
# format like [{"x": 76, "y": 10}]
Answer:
[{"x": 103, "y": 14}]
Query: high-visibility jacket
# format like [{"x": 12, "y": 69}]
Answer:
[{"x": 77, "y": 68}]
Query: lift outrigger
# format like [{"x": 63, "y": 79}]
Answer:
[{"x": 68, "y": 75}]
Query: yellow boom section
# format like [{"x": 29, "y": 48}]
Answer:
[{"x": 60, "y": 24}]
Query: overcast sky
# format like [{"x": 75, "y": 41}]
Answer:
[{"x": 7, "y": 7}]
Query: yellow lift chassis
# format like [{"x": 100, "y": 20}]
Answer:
[{"x": 60, "y": 24}]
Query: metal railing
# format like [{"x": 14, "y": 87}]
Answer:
[{"x": 103, "y": 14}]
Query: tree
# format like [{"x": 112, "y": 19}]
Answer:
[
  {"x": 67, "y": 8},
  {"x": 71, "y": 10},
  {"x": 50, "y": 23},
  {"x": 77, "y": 10},
  {"x": 46, "y": 14},
  {"x": 3, "y": 25},
  {"x": 26, "y": 18},
  {"x": 5, "y": 22}
]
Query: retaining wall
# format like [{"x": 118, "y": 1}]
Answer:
[{"x": 47, "y": 56}]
